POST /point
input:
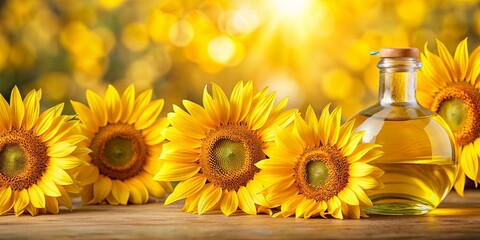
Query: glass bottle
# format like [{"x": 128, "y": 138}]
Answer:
[{"x": 419, "y": 149}]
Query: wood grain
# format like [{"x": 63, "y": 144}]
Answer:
[{"x": 455, "y": 218}]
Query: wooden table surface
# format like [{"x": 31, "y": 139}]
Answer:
[{"x": 455, "y": 218}]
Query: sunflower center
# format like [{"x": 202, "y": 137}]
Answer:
[
  {"x": 119, "y": 151},
  {"x": 454, "y": 113},
  {"x": 12, "y": 160},
  {"x": 317, "y": 173},
  {"x": 228, "y": 156},
  {"x": 23, "y": 158},
  {"x": 458, "y": 105},
  {"x": 321, "y": 172}
]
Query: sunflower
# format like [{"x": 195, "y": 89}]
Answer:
[
  {"x": 319, "y": 167},
  {"x": 39, "y": 156},
  {"x": 450, "y": 87},
  {"x": 124, "y": 136},
  {"x": 213, "y": 149}
]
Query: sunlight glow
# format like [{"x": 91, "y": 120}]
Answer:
[{"x": 290, "y": 8}]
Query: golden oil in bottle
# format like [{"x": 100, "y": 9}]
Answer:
[
  {"x": 418, "y": 163},
  {"x": 419, "y": 150}
]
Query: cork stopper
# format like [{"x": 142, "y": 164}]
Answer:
[{"x": 399, "y": 53}]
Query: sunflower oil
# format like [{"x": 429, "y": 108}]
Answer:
[
  {"x": 418, "y": 162},
  {"x": 419, "y": 149}
]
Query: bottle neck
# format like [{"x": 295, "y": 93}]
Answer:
[{"x": 398, "y": 79}]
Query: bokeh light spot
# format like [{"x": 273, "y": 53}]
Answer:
[
  {"x": 221, "y": 49},
  {"x": 181, "y": 33},
  {"x": 135, "y": 37}
]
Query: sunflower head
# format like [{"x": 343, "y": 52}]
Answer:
[
  {"x": 124, "y": 136},
  {"x": 319, "y": 167},
  {"x": 39, "y": 155},
  {"x": 449, "y": 85},
  {"x": 215, "y": 160}
]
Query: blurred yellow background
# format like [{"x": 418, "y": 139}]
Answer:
[{"x": 313, "y": 51}]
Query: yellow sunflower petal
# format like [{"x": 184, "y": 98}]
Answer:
[
  {"x": 5, "y": 121},
  {"x": 85, "y": 115},
  {"x": 6, "y": 200},
  {"x": 113, "y": 104},
  {"x": 191, "y": 203},
  {"x": 51, "y": 204},
  {"x": 210, "y": 106},
  {"x": 460, "y": 182},
  {"x": 141, "y": 102},
  {"x": 209, "y": 198},
  {"x": 67, "y": 162},
  {"x": 65, "y": 129},
  {"x": 150, "y": 114},
  {"x": 280, "y": 122},
  {"x": 366, "y": 182},
  {"x": 236, "y": 103},
  {"x": 153, "y": 134},
  {"x": 247, "y": 99},
  {"x": 88, "y": 174},
  {"x": 261, "y": 111},
  {"x": 17, "y": 109},
  {"x": 334, "y": 207},
  {"x": 32, "y": 105},
  {"x": 345, "y": 134},
  {"x": 60, "y": 149},
  {"x": 361, "y": 195},
  {"x": 303, "y": 132},
  {"x": 336, "y": 118},
  {"x": 101, "y": 188},
  {"x": 179, "y": 155},
  {"x": 111, "y": 199},
  {"x": 120, "y": 191},
  {"x": 469, "y": 161},
  {"x": 290, "y": 205},
  {"x": 461, "y": 59},
  {"x": 64, "y": 199},
  {"x": 97, "y": 105},
  {"x": 45, "y": 119},
  {"x": 222, "y": 103},
  {"x": 138, "y": 192},
  {"x": 154, "y": 188},
  {"x": 21, "y": 201},
  {"x": 199, "y": 113},
  {"x": 288, "y": 142},
  {"x": 31, "y": 209},
  {"x": 48, "y": 186},
  {"x": 176, "y": 172},
  {"x": 353, "y": 143},
  {"x": 59, "y": 175},
  {"x": 56, "y": 125},
  {"x": 359, "y": 169},
  {"x": 36, "y": 196},
  {"x": 362, "y": 150},
  {"x": 229, "y": 202},
  {"x": 128, "y": 103},
  {"x": 186, "y": 188},
  {"x": 177, "y": 138},
  {"x": 348, "y": 196},
  {"x": 245, "y": 201},
  {"x": 185, "y": 123},
  {"x": 447, "y": 58},
  {"x": 324, "y": 123}
]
